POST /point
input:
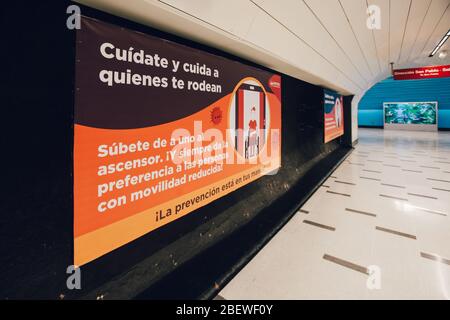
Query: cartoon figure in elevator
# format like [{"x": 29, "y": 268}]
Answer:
[
  {"x": 249, "y": 119},
  {"x": 252, "y": 140},
  {"x": 338, "y": 112}
]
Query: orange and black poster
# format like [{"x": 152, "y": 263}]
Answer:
[
  {"x": 162, "y": 129},
  {"x": 333, "y": 115}
]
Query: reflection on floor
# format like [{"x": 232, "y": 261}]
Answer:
[{"x": 379, "y": 228}]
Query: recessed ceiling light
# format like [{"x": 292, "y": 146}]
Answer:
[{"x": 441, "y": 43}]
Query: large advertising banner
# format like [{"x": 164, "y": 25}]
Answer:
[
  {"x": 334, "y": 115},
  {"x": 161, "y": 130}
]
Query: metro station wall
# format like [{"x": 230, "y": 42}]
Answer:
[
  {"x": 370, "y": 111},
  {"x": 36, "y": 235}
]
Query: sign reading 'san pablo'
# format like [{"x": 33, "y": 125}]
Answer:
[
  {"x": 422, "y": 73},
  {"x": 162, "y": 129}
]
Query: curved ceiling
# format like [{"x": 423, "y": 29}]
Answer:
[{"x": 324, "y": 42}]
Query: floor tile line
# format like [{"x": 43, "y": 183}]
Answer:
[
  {"x": 338, "y": 193},
  {"x": 393, "y": 185},
  {"x": 438, "y": 180},
  {"x": 429, "y": 211},
  {"x": 368, "y": 178},
  {"x": 356, "y": 164},
  {"x": 319, "y": 225},
  {"x": 397, "y": 233},
  {"x": 428, "y": 167},
  {"x": 393, "y": 197},
  {"x": 415, "y": 171},
  {"x": 422, "y": 196},
  {"x": 361, "y": 212},
  {"x": 435, "y": 257},
  {"x": 373, "y": 171},
  {"x": 346, "y": 264},
  {"x": 344, "y": 182}
]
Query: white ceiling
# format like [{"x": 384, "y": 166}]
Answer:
[{"x": 325, "y": 42}]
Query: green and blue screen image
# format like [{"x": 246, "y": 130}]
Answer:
[{"x": 410, "y": 113}]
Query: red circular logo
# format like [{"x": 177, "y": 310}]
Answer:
[{"x": 216, "y": 115}]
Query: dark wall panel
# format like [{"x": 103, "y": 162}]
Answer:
[{"x": 347, "y": 139}]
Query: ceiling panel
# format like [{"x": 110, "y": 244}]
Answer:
[
  {"x": 234, "y": 16},
  {"x": 381, "y": 36},
  {"x": 294, "y": 15},
  {"x": 400, "y": 10},
  {"x": 295, "y": 50},
  {"x": 356, "y": 11},
  {"x": 436, "y": 10},
  {"x": 324, "y": 42},
  {"x": 441, "y": 29},
  {"x": 331, "y": 15},
  {"x": 419, "y": 9}
]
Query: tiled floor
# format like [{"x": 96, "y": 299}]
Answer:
[{"x": 379, "y": 228}]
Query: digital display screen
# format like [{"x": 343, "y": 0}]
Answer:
[{"x": 424, "y": 113}]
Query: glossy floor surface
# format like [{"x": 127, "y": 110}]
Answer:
[{"x": 378, "y": 228}]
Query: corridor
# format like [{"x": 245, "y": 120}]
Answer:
[{"x": 384, "y": 210}]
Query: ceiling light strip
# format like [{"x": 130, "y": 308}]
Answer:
[{"x": 441, "y": 43}]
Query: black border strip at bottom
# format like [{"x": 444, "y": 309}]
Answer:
[{"x": 204, "y": 276}]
